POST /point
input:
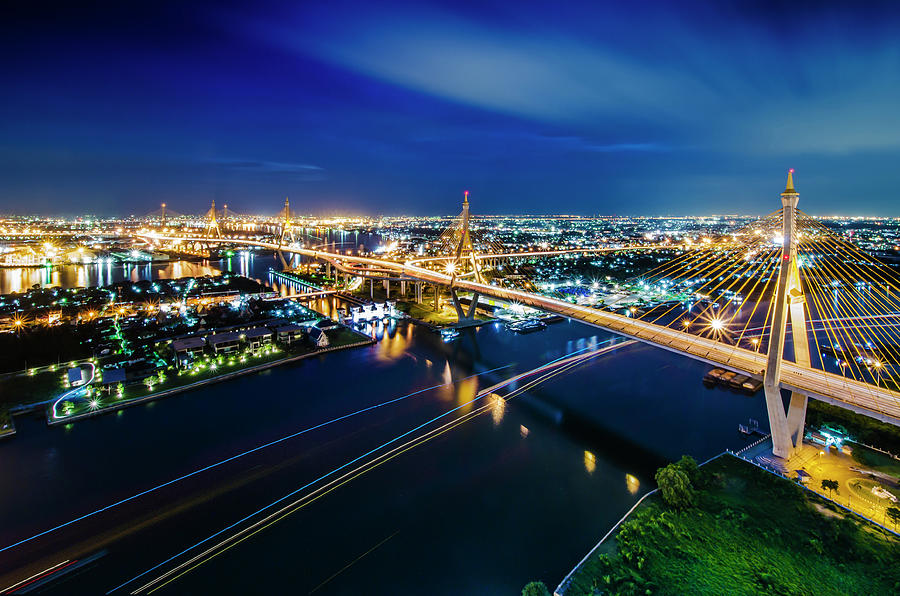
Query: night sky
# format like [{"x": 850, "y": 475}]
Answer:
[{"x": 388, "y": 108}]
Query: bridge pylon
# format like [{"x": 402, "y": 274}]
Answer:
[
  {"x": 790, "y": 301},
  {"x": 287, "y": 227},
  {"x": 286, "y": 231},
  {"x": 212, "y": 224},
  {"x": 464, "y": 257}
]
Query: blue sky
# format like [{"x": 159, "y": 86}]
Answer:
[{"x": 387, "y": 108}]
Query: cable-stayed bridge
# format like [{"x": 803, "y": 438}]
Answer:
[{"x": 784, "y": 300}]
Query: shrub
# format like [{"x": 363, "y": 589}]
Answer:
[
  {"x": 535, "y": 589},
  {"x": 676, "y": 487}
]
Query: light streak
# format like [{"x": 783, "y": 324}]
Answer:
[
  {"x": 360, "y": 470},
  {"x": 234, "y": 457},
  {"x": 71, "y": 393},
  {"x": 8, "y": 589},
  {"x": 563, "y": 359}
]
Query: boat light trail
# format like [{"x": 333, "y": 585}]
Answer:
[
  {"x": 566, "y": 361},
  {"x": 238, "y": 456}
]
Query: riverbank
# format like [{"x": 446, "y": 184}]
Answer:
[
  {"x": 7, "y": 426},
  {"x": 154, "y": 395},
  {"x": 749, "y": 532}
]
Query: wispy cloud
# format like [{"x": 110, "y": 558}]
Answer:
[
  {"x": 277, "y": 170},
  {"x": 738, "y": 88},
  {"x": 276, "y": 167}
]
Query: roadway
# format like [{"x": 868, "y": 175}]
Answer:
[{"x": 870, "y": 400}]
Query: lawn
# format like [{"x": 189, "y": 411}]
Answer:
[
  {"x": 750, "y": 533},
  {"x": 877, "y": 461},
  {"x": 25, "y": 389},
  {"x": 342, "y": 336}
]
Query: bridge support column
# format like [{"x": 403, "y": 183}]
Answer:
[
  {"x": 403, "y": 287},
  {"x": 387, "y": 288},
  {"x": 787, "y": 429},
  {"x": 461, "y": 314},
  {"x": 471, "y": 314},
  {"x": 328, "y": 269},
  {"x": 437, "y": 297},
  {"x": 371, "y": 288}
]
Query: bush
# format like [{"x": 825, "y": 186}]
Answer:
[
  {"x": 676, "y": 487},
  {"x": 535, "y": 589}
]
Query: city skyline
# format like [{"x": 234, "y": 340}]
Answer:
[
  {"x": 352, "y": 110},
  {"x": 385, "y": 298}
]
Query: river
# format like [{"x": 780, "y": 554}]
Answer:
[{"x": 516, "y": 494}]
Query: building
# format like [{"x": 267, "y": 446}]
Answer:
[
  {"x": 224, "y": 343},
  {"x": 188, "y": 348},
  {"x": 114, "y": 376},
  {"x": 317, "y": 337},
  {"x": 290, "y": 333},
  {"x": 258, "y": 337},
  {"x": 78, "y": 376}
]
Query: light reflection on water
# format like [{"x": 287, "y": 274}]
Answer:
[
  {"x": 498, "y": 408},
  {"x": 632, "y": 484},
  {"x": 392, "y": 345},
  {"x": 68, "y": 276}
]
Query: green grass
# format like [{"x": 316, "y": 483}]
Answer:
[
  {"x": 425, "y": 313},
  {"x": 877, "y": 461},
  {"x": 342, "y": 336},
  {"x": 26, "y": 389},
  {"x": 751, "y": 533}
]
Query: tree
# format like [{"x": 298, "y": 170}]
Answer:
[
  {"x": 535, "y": 589},
  {"x": 894, "y": 514},
  {"x": 675, "y": 486},
  {"x": 830, "y": 485},
  {"x": 688, "y": 465}
]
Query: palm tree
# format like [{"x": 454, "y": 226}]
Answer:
[
  {"x": 830, "y": 485},
  {"x": 894, "y": 514}
]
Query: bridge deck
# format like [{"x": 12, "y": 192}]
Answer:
[{"x": 877, "y": 402}]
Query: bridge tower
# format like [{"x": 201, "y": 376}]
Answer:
[
  {"x": 212, "y": 225},
  {"x": 287, "y": 228},
  {"x": 787, "y": 429},
  {"x": 464, "y": 255},
  {"x": 287, "y": 231},
  {"x": 163, "y": 210}
]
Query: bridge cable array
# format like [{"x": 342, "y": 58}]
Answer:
[{"x": 725, "y": 287}]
